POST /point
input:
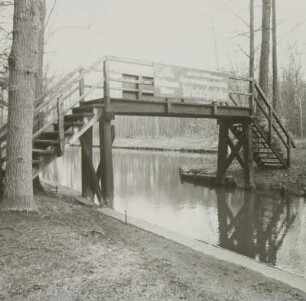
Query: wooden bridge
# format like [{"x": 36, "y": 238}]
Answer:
[{"x": 114, "y": 86}]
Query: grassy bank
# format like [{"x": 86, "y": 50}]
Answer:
[
  {"x": 292, "y": 180},
  {"x": 72, "y": 252}
]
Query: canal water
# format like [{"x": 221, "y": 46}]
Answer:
[{"x": 264, "y": 225}]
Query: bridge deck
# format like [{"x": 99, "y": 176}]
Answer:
[{"x": 174, "y": 109}]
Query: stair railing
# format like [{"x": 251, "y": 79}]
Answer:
[
  {"x": 274, "y": 127},
  {"x": 59, "y": 99}
]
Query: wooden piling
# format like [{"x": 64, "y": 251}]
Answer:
[
  {"x": 222, "y": 150},
  {"x": 87, "y": 187},
  {"x": 248, "y": 154},
  {"x": 105, "y": 135},
  {"x": 86, "y": 154}
]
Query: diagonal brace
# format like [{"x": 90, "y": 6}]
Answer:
[{"x": 91, "y": 170}]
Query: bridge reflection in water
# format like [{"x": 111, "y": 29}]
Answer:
[
  {"x": 259, "y": 227},
  {"x": 262, "y": 225}
]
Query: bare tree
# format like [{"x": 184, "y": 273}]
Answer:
[
  {"x": 23, "y": 68},
  {"x": 275, "y": 85},
  {"x": 265, "y": 46},
  {"x": 252, "y": 45}
]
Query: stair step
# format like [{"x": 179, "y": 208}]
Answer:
[
  {"x": 53, "y": 135},
  {"x": 77, "y": 116},
  {"x": 275, "y": 164},
  {"x": 260, "y": 152},
  {"x": 69, "y": 124},
  {"x": 270, "y": 160},
  {"x": 73, "y": 123},
  {"x": 48, "y": 134},
  {"x": 35, "y": 162},
  {"x": 98, "y": 101},
  {"x": 42, "y": 151},
  {"x": 87, "y": 108},
  {"x": 46, "y": 141}
]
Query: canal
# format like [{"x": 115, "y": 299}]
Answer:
[{"x": 263, "y": 225}]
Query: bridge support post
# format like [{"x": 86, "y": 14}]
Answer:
[
  {"x": 87, "y": 188},
  {"x": 248, "y": 155},
  {"x": 222, "y": 150},
  {"x": 244, "y": 140},
  {"x": 106, "y": 158}
]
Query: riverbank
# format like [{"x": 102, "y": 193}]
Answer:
[
  {"x": 185, "y": 144},
  {"x": 291, "y": 181},
  {"x": 72, "y": 252}
]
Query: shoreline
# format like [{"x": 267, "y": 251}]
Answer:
[
  {"x": 87, "y": 255},
  {"x": 159, "y": 149},
  {"x": 290, "y": 181},
  {"x": 285, "y": 181}
]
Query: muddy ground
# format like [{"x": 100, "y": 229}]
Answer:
[{"x": 72, "y": 252}]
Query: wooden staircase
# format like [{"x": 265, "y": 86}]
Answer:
[
  {"x": 271, "y": 141},
  {"x": 57, "y": 120}
]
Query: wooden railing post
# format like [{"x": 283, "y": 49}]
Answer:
[
  {"x": 139, "y": 87},
  {"x": 60, "y": 129},
  {"x": 270, "y": 123},
  {"x": 252, "y": 92},
  {"x": 81, "y": 85},
  {"x": 288, "y": 150}
]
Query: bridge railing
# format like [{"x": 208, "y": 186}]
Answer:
[
  {"x": 240, "y": 91},
  {"x": 66, "y": 92}
]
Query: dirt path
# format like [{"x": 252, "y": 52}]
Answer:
[{"x": 72, "y": 252}]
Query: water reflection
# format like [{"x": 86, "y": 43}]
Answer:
[
  {"x": 259, "y": 227},
  {"x": 264, "y": 226}
]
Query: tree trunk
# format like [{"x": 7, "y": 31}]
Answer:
[
  {"x": 276, "y": 102},
  {"x": 252, "y": 47},
  {"x": 18, "y": 190},
  {"x": 265, "y": 46}
]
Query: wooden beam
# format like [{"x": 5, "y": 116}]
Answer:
[
  {"x": 105, "y": 133},
  {"x": 100, "y": 166},
  {"x": 233, "y": 154},
  {"x": 60, "y": 128},
  {"x": 238, "y": 157},
  {"x": 93, "y": 177},
  {"x": 97, "y": 115},
  {"x": 87, "y": 186},
  {"x": 106, "y": 160},
  {"x": 248, "y": 154},
  {"x": 222, "y": 150}
]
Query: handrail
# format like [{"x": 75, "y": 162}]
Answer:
[
  {"x": 273, "y": 113},
  {"x": 58, "y": 89}
]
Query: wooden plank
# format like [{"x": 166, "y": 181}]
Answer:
[
  {"x": 100, "y": 166},
  {"x": 87, "y": 186},
  {"x": 238, "y": 157},
  {"x": 233, "y": 154},
  {"x": 60, "y": 128},
  {"x": 106, "y": 160},
  {"x": 186, "y": 110},
  {"x": 105, "y": 135},
  {"x": 89, "y": 124},
  {"x": 93, "y": 177},
  {"x": 222, "y": 150},
  {"x": 248, "y": 155},
  {"x": 81, "y": 85}
]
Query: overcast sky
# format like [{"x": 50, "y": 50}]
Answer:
[{"x": 194, "y": 33}]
